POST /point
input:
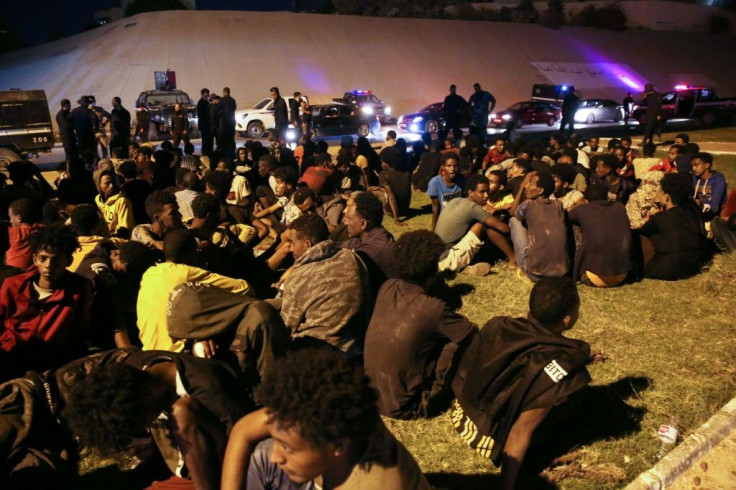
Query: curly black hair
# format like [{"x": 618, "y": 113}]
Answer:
[
  {"x": 54, "y": 237},
  {"x": 369, "y": 207},
  {"x": 219, "y": 183},
  {"x": 553, "y": 298},
  {"x": 322, "y": 394},
  {"x": 156, "y": 201},
  {"x": 27, "y": 209},
  {"x": 104, "y": 409},
  {"x": 678, "y": 186},
  {"x": 287, "y": 175},
  {"x": 204, "y": 205},
  {"x": 418, "y": 253},
  {"x": 311, "y": 227},
  {"x": 137, "y": 257}
]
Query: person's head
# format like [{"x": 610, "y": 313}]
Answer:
[
  {"x": 188, "y": 148},
  {"x": 190, "y": 181},
  {"x": 418, "y": 254},
  {"x": 453, "y": 88},
  {"x": 108, "y": 184},
  {"x": 564, "y": 176},
  {"x": 317, "y": 426},
  {"x": 565, "y": 159},
  {"x": 555, "y": 303},
  {"x": 390, "y": 135},
  {"x": 682, "y": 139},
  {"x": 180, "y": 247},
  {"x": 596, "y": 192},
  {"x": 496, "y": 182},
  {"x": 113, "y": 404},
  {"x": 274, "y": 92},
  {"x": 307, "y": 230},
  {"x": 626, "y": 142},
  {"x": 224, "y": 164},
  {"x": 218, "y": 184},
  {"x": 674, "y": 152},
  {"x": 556, "y": 140},
  {"x": 127, "y": 170},
  {"x": 519, "y": 167},
  {"x": 177, "y": 108},
  {"x": 86, "y": 220},
  {"x": 500, "y": 145},
  {"x": 205, "y": 93},
  {"x": 266, "y": 165},
  {"x": 206, "y": 206},
  {"x": 450, "y": 165},
  {"x": 701, "y": 165},
  {"x": 605, "y": 165},
  {"x": 477, "y": 189},
  {"x": 163, "y": 210},
  {"x": 116, "y": 102},
  {"x": 305, "y": 200},
  {"x": 691, "y": 148},
  {"x": 648, "y": 149},
  {"x": 476, "y": 87},
  {"x": 363, "y": 213},
  {"x": 132, "y": 259},
  {"x": 540, "y": 185},
  {"x": 620, "y": 153},
  {"x": 20, "y": 171},
  {"x": 66, "y": 104},
  {"x": 676, "y": 190},
  {"x": 23, "y": 211},
  {"x": 52, "y": 247},
  {"x": 593, "y": 142},
  {"x": 226, "y": 91},
  {"x": 286, "y": 179},
  {"x": 242, "y": 155}
]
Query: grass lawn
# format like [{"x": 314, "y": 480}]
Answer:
[{"x": 671, "y": 349}]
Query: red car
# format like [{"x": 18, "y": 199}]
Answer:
[{"x": 528, "y": 112}]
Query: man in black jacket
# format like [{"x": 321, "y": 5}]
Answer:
[
  {"x": 65, "y": 130},
  {"x": 82, "y": 123},
  {"x": 280, "y": 113},
  {"x": 119, "y": 126},
  {"x": 227, "y": 124},
  {"x": 179, "y": 126},
  {"x": 203, "y": 122}
]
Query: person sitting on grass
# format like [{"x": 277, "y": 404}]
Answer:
[
  {"x": 187, "y": 405},
  {"x": 538, "y": 229},
  {"x": 412, "y": 373},
  {"x": 46, "y": 311},
  {"x": 676, "y": 233},
  {"x": 710, "y": 186},
  {"x": 668, "y": 164},
  {"x": 446, "y": 186},
  {"x": 283, "y": 212},
  {"x": 116, "y": 209},
  {"x": 644, "y": 163},
  {"x": 606, "y": 172},
  {"x": 465, "y": 225},
  {"x": 25, "y": 217},
  {"x": 516, "y": 372},
  {"x": 564, "y": 177},
  {"x": 499, "y": 199},
  {"x": 319, "y": 428},
  {"x": 163, "y": 210},
  {"x": 604, "y": 255}
]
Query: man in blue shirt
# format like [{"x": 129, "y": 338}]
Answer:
[{"x": 446, "y": 186}]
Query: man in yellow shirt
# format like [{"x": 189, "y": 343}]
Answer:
[{"x": 180, "y": 251}]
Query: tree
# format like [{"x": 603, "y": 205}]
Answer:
[{"x": 140, "y": 6}]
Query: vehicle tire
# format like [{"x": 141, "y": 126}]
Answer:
[
  {"x": 618, "y": 117},
  {"x": 6, "y": 157},
  {"x": 519, "y": 123},
  {"x": 588, "y": 120},
  {"x": 432, "y": 126},
  {"x": 551, "y": 121},
  {"x": 363, "y": 130},
  {"x": 708, "y": 119},
  {"x": 255, "y": 130}
]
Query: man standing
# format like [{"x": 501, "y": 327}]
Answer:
[
  {"x": 280, "y": 113},
  {"x": 203, "y": 122},
  {"x": 65, "y": 130},
  {"x": 453, "y": 106},
  {"x": 142, "y": 122},
  {"x": 569, "y": 108},
  {"x": 653, "y": 101},
  {"x": 82, "y": 123},
  {"x": 479, "y": 103},
  {"x": 102, "y": 121},
  {"x": 628, "y": 104},
  {"x": 227, "y": 123},
  {"x": 179, "y": 126},
  {"x": 294, "y": 110},
  {"x": 119, "y": 126}
]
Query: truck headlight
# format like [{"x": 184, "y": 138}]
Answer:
[
  {"x": 366, "y": 109},
  {"x": 387, "y": 110}
]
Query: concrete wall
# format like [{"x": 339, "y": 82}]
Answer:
[{"x": 407, "y": 62}]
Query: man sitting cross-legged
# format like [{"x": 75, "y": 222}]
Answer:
[
  {"x": 325, "y": 432},
  {"x": 515, "y": 372},
  {"x": 464, "y": 225},
  {"x": 412, "y": 371}
]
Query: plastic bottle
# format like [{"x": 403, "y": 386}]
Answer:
[{"x": 668, "y": 436}]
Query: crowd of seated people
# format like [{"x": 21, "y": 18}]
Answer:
[{"x": 252, "y": 317}]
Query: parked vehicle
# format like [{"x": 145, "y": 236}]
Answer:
[
  {"x": 593, "y": 110},
  {"x": 341, "y": 119},
  {"x": 429, "y": 119},
  {"x": 689, "y": 102},
  {"x": 160, "y": 106},
  {"x": 254, "y": 122},
  {"x": 527, "y": 112},
  {"x": 368, "y": 103},
  {"x": 25, "y": 125}
]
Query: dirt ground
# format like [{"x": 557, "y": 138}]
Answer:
[{"x": 714, "y": 471}]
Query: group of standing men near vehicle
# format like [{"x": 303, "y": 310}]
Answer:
[{"x": 481, "y": 104}]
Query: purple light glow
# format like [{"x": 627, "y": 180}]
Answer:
[
  {"x": 314, "y": 80},
  {"x": 620, "y": 72}
]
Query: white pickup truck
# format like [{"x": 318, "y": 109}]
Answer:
[{"x": 254, "y": 122}]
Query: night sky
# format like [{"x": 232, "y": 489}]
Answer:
[{"x": 36, "y": 21}]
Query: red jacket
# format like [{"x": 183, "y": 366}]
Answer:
[{"x": 43, "y": 334}]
